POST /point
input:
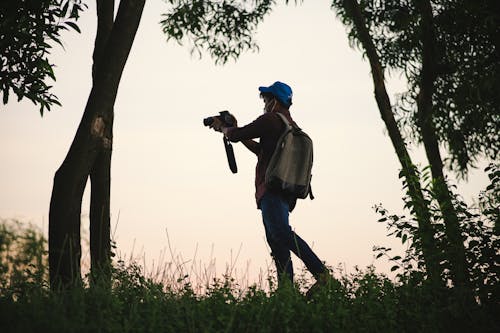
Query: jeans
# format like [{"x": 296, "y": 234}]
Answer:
[{"x": 282, "y": 239}]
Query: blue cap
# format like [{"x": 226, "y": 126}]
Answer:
[{"x": 281, "y": 91}]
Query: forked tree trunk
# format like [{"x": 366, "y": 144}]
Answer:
[
  {"x": 425, "y": 229},
  {"x": 90, "y": 153}
]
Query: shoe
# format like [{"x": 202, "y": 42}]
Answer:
[{"x": 323, "y": 281}]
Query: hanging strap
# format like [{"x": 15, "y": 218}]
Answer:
[{"x": 230, "y": 155}]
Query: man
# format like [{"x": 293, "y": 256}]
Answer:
[{"x": 273, "y": 204}]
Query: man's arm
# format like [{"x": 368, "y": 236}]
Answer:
[
  {"x": 266, "y": 123},
  {"x": 251, "y": 145}
]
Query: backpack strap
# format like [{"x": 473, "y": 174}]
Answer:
[{"x": 288, "y": 126}]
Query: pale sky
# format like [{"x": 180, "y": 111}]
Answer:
[{"x": 169, "y": 172}]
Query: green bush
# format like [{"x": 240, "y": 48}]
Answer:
[{"x": 23, "y": 258}]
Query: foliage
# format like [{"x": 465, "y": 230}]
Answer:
[
  {"x": 480, "y": 233},
  {"x": 223, "y": 28},
  {"x": 26, "y": 29},
  {"x": 23, "y": 258},
  {"x": 362, "y": 301},
  {"x": 466, "y": 92},
  {"x": 466, "y": 53}
]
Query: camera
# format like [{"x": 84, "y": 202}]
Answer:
[{"x": 227, "y": 119}]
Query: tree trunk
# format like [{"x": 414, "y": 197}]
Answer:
[
  {"x": 100, "y": 174},
  {"x": 420, "y": 208},
  {"x": 100, "y": 235},
  {"x": 92, "y": 144},
  {"x": 455, "y": 251}
]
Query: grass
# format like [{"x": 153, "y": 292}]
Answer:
[{"x": 363, "y": 301}]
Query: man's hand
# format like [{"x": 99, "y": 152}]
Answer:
[{"x": 234, "y": 121}]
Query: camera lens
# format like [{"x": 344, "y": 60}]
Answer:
[{"x": 208, "y": 121}]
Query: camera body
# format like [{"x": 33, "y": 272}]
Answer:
[{"x": 227, "y": 119}]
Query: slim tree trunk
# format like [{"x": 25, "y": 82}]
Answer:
[
  {"x": 100, "y": 174},
  {"x": 100, "y": 235},
  {"x": 420, "y": 208},
  {"x": 92, "y": 138},
  {"x": 455, "y": 251}
]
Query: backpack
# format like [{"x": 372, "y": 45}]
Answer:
[{"x": 289, "y": 169}]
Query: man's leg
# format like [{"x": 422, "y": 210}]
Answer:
[
  {"x": 300, "y": 248},
  {"x": 275, "y": 215},
  {"x": 282, "y": 260},
  {"x": 280, "y": 252}
]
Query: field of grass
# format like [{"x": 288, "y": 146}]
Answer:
[{"x": 363, "y": 301}]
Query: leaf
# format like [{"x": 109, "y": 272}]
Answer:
[
  {"x": 65, "y": 8},
  {"x": 5, "y": 95},
  {"x": 473, "y": 244},
  {"x": 395, "y": 267},
  {"x": 74, "y": 26},
  {"x": 55, "y": 101}
]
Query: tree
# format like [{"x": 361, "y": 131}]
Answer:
[
  {"x": 440, "y": 59},
  {"x": 26, "y": 29},
  {"x": 27, "y": 26},
  {"x": 90, "y": 152},
  {"x": 463, "y": 40},
  {"x": 353, "y": 14},
  {"x": 465, "y": 101},
  {"x": 456, "y": 249}
]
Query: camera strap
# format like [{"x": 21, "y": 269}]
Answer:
[{"x": 230, "y": 155}]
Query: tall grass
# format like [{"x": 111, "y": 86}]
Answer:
[{"x": 172, "y": 300}]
